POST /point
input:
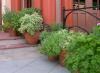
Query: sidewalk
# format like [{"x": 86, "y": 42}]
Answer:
[{"x": 27, "y": 60}]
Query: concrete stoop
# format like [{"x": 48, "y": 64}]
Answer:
[{"x": 8, "y": 42}]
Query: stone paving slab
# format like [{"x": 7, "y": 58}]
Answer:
[
  {"x": 27, "y": 60},
  {"x": 59, "y": 69},
  {"x": 13, "y": 66},
  {"x": 19, "y": 53}
]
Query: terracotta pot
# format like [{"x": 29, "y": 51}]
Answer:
[
  {"x": 62, "y": 56},
  {"x": 12, "y": 32},
  {"x": 32, "y": 39},
  {"x": 52, "y": 58}
]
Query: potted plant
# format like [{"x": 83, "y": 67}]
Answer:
[
  {"x": 30, "y": 26},
  {"x": 67, "y": 39},
  {"x": 51, "y": 45},
  {"x": 85, "y": 55},
  {"x": 15, "y": 22},
  {"x": 63, "y": 45},
  {"x": 8, "y": 22}
]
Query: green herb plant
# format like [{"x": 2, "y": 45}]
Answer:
[
  {"x": 51, "y": 45},
  {"x": 85, "y": 57},
  {"x": 7, "y": 19}
]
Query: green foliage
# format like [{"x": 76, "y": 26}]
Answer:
[
  {"x": 11, "y": 20},
  {"x": 56, "y": 27},
  {"x": 7, "y": 19},
  {"x": 73, "y": 38},
  {"x": 51, "y": 45},
  {"x": 96, "y": 31},
  {"x": 15, "y": 21},
  {"x": 31, "y": 23},
  {"x": 44, "y": 35},
  {"x": 85, "y": 55},
  {"x": 29, "y": 11}
]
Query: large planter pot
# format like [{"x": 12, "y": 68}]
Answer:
[
  {"x": 32, "y": 39},
  {"x": 12, "y": 32},
  {"x": 62, "y": 56},
  {"x": 52, "y": 58}
]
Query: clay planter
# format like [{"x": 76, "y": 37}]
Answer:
[
  {"x": 12, "y": 32},
  {"x": 62, "y": 56},
  {"x": 32, "y": 39},
  {"x": 52, "y": 58}
]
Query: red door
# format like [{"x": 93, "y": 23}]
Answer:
[{"x": 83, "y": 19}]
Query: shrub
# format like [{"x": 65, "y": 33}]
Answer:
[
  {"x": 85, "y": 57},
  {"x": 7, "y": 19},
  {"x": 31, "y": 23},
  {"x": 15, "y": 21},
  {"x": 44, "y": 35},
  {"x": 51, "y": 45}
]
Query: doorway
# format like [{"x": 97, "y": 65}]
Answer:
[{"x": 27, "y": 3}]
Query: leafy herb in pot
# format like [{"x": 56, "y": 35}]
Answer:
[{"x": 85, "y": 57}]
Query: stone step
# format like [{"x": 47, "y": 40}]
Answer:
[
  {"x": 8, "y": 42},
  {"x": 6, "y": 36},
  {"x": 9, "y": 38},
  {"x": 14, "y": 46},
  {"x": 17, "y": 41}
]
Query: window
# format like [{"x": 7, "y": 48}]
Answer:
[
  {"x": 79, "y": 4},
  {"x": 96, "y": 4}
]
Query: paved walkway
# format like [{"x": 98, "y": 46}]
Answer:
[{"x": 27, "y": 60}]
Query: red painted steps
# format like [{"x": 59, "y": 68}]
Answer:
[
  {"x": 8, "y": 42},
  {"x": 6, "y": 36},
  {"x": 14, "y": 46}
]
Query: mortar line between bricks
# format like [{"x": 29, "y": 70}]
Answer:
[{"x": 25, "y": 65}]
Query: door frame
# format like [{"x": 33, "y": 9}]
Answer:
[{"x": 25, "y": 3}]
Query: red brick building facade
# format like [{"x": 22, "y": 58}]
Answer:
[{"x": 52, "y": 10}]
